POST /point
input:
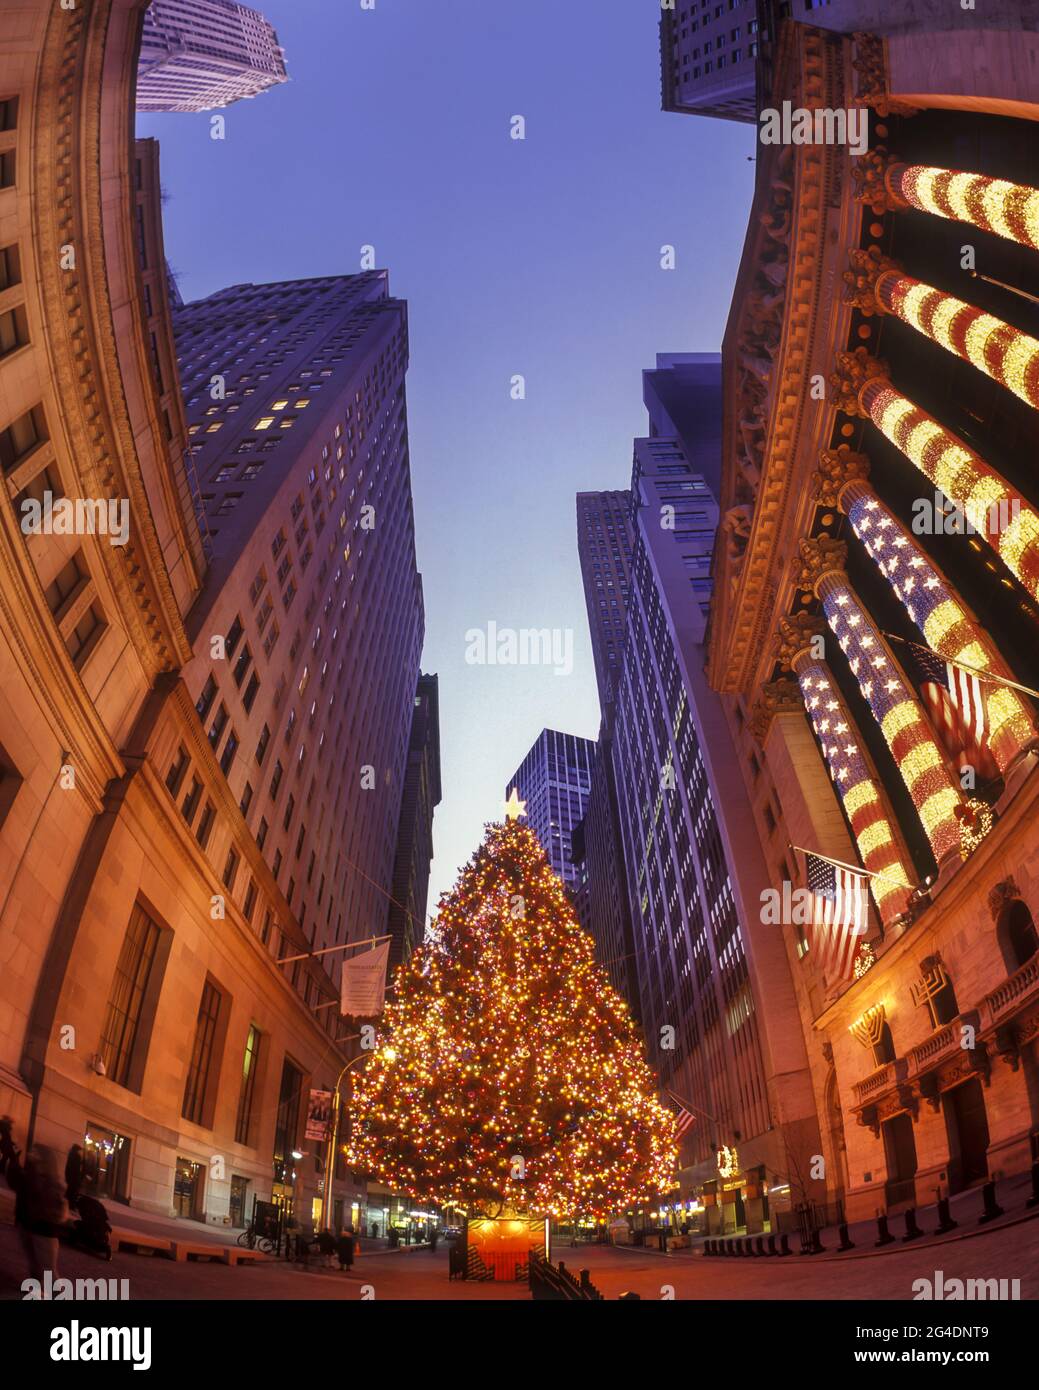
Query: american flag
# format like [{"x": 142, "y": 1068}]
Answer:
[
  {"x": 684, "y": 1118},
  {"x": 841, "y": 914},
  {"x": 955, "y": 700}
]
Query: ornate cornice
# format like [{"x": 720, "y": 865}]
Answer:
[
  {"x": 869, "y": 59},
  {"x": 818, "y": 557},
  {"x": 855, "y": 370},
  {"x": 837, "y": 468},
  {"x": 784, "y": 318}
]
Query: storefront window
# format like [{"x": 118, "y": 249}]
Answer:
[{"x": 106, "y": 1163}]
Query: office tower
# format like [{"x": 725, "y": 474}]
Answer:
[
  {"x": 845, "y": 584},
  {"x": 719, "y": 57},
  {"x": 554, "y": 780},
  {"x": 604, "y": 549},
  {"x": 302, "y": 461},
  {"x": 407, "y": 911},
  {"x": 719, "y": 1016},
  {"x": 200, "y": 54}
]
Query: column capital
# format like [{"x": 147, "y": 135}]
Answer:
[
  {"x": 796, "y": 633},
  {"x": 866, "y": 269},
  {"x": 873, "y": 186},
  {"x": 855, "y": 370},
  {"x": 869, "y": 60},
  {"x": 777, "y": 697},
  {"x": 837, "y": 468},
  {"x": 819, "y": 556}
]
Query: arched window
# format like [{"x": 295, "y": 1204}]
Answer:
[
  {"x": 1016, "y": 934},
  {"x": 942, "y": 1005},
  {"x": 884, "y": 1047}
]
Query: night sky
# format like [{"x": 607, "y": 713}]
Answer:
[{"x": 539, "y": 258}]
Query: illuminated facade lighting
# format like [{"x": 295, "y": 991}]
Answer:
[
  {"x": 1010, "y": 210},
  {"x": 856, "y": 785},
  {"x": 898, "y": 712},
  {"x": 938, "y": 613},
  {"x": 962, "y": 476},
  {"x": 994, "y": 347}
]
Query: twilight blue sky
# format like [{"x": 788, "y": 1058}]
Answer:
[{"x": 539, "y": 257}]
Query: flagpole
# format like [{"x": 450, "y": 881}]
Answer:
[
  {"x": 855, "y": 868},
  {"x": 326, "y": 950},
  {"x": 990, "y": 677}
]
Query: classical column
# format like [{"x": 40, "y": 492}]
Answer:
[
  {"x": 926, "y": 595},
  {"x": 858, "y": 786},
  {"x": 1004, "y": 353},
  {"x": 1000, "y": 515},
  {"x": 895, "y": 707},
  {"x": 1010, "y": 210}
]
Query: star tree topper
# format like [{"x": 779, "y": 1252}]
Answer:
[{"x": 514, "y": 807}]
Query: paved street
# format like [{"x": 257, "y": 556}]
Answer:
[{"x": 1007, "y": 1252}]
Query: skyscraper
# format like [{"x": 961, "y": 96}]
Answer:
[
  {"x": 201, "y": 54},
  {"x": 715, "y": 1000},
  {"x": 604, "y": 548},
  {"x": 718, "y": 57},
  {"x": 554, "y": 779},
  {"x": 297, "y": 422},
  {"x": 407, "y": 910}
]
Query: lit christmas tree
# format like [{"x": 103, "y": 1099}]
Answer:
[{"x": 509, "y": 1076}]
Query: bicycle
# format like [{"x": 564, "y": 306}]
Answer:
[{"x": 252, "y": 1239}]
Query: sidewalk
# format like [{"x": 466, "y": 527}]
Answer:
[{"x": 965, "y": 1208}]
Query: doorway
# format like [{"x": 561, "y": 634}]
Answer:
[
  {"x": 187, "y": 1189},
  {"x": 966, "y": 1124},
  {"x": 900, "y": 1157},
  {"x": 239, "y": 1188}
]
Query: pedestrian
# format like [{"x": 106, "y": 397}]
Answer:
[
  {"x": 73, "y": 1174},
  {"x": 39, "y": 1210},
  {"x": 345, "y": 1247},
  {"x": 326, "y": 1244},
  {"x": 434, "y": 1236},
  {"x": 8, "y": 1152}
]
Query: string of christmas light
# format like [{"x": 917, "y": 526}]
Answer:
[
  {"x": 994, "y": 347},
  {"x": 999, "y": 515},
  {"x": 856, "y": 785},
  {"x": 508, "y": 1073},
  {"x": 938, "y": 613},
  {"x": 1010, "y": 210},
  {"x": 897, "y": 711}
]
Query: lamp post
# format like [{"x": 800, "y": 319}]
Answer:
[{"x": 333, "y": 1144}]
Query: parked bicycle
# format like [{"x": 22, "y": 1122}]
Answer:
[{"x": 253, "y": 1240}]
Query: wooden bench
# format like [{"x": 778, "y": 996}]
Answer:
[
  {"x": 185, "y": 1249},
  {"x": 124, "y": 1238},
  {"x": 241, "y": 1254}
]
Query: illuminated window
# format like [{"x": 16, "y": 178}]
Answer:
[{"x": 264, "y": 423}]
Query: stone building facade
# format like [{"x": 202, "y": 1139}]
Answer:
[{"x": 879, "y": 371}]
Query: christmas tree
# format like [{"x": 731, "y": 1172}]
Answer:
[{"x": 508, "y": 1074}]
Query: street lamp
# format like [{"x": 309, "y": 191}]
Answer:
[{"x": 333, "y": 1144}]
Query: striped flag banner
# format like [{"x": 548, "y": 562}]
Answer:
[
  {"x": 841, "y": 913},
  {"x": 955, "y": 700},
  {"x": 684, "y": 1118}
]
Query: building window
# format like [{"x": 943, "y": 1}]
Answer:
[
  {"x": 175, "y": 776},
  {"x": 124, "y": 1037},
  {"x": 261, "y": 747},
  {"x": 14, "y": 330},
  {"x": 205, "y": 824},
  {"x": 231, "y": 868},
  {"x": 10, "y": 267},
  {"x": 9, "y": 113},
  {"x": 250, "y": 1066},
  {"x": 22, "y": 437},
  {"x": 227, "y": 757},
  {"x": 198, "y": 1093},
  {"x": 204, "y": 703}
]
